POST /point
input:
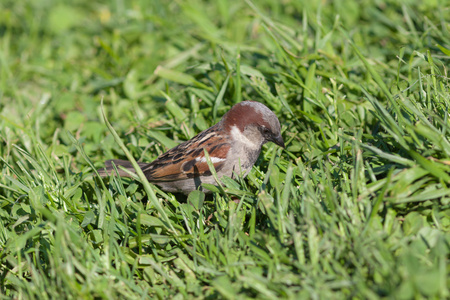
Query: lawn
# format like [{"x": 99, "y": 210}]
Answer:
[{"x": 356, "y": 207}]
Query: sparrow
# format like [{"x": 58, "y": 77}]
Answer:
[{"x": 233, "y": 144}]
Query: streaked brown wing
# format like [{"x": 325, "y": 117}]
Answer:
[{"x": 186, "y": 161}]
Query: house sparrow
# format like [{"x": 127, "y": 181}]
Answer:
[{"x": 233, "y": 145}]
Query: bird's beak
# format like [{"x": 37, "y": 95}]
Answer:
[{"x": 279, "y": 141}]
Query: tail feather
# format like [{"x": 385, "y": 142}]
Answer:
[{"x": 109, "y": 168}]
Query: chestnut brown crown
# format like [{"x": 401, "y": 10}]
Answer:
[{"x": 251, "y": 118}]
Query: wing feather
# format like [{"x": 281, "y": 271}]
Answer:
[{"x": 188, "y": 160}]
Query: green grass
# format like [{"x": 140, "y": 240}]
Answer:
[{"x": 357, "y": 205}]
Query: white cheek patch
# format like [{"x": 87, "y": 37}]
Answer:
[
  {"x": 239, "y": 136},
  {"x": 213, "y": 159}
]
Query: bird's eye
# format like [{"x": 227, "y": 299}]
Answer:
[{"x": 265, "y": 130}]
